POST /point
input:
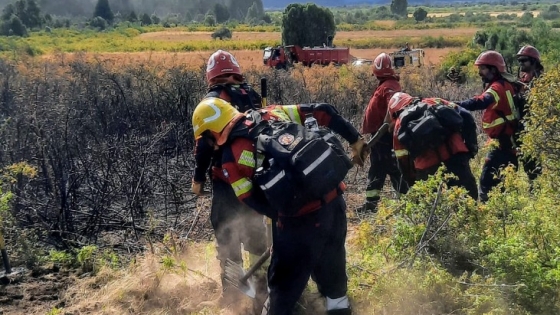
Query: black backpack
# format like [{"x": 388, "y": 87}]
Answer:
[
  {"x": 425, "y": 127},
  {"x": 469, "y": 131},
  {"x": 300, "y": 165}
]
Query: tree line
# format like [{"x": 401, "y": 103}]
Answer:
[{"x": 18, "y": 16}]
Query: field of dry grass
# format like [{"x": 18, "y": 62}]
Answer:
[
  {"x": 196, "y": 59},
  {"x": 518, "y": 13},
  {"x": 340, "y": 35},
  {"x": 253, "y": 58}
]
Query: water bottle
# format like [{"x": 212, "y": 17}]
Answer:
[{"x": 310, "y": 122}]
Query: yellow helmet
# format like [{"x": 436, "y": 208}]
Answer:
[{"x": 213, "y": 114}]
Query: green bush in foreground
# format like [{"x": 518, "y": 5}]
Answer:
[{"x": 448, "y": 254}]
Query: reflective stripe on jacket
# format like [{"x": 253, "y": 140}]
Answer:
[{"x": 501, "y": 117}]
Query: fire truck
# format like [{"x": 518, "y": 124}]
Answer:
[{"x": 280, "y": 57}]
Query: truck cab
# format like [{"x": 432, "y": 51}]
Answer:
[
  {"x": 274, "y": 57},
  {"x": 403, "y": 58}
]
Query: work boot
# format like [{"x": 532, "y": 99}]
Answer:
[
  {"x": 368, "y": 206},
  {"x": 342, "y": 311}
]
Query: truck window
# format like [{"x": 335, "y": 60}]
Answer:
[
  {"x": 399, "y": 62},
  {"x": 267, "y": 54}
]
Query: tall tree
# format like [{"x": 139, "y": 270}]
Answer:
[
  {"x": 221, "y": 12},
  {"x": 102, "y": 9},
  {"x": 399, "y": 7},
  {"x": 32, "y": 14},
  {"x": 307, "y": 25},
  {"x": 8, "y": 11},
  {"x": 132, "y": 17},
  {"x": 13, "y": 26},
  {"x": 420, "y": 14},
  {"x": 27, "y": 11},
  {"x": 145, "y": 19},
  {"x": 238, "y": 8},
  {"x": 252, "y": 13}
]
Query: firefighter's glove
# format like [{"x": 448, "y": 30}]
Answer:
[
  {"x": 359, "y": 152},
  {"x": 197, "y": 188}
]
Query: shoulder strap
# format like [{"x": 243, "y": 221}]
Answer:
[{"x": 215, "y": 91}]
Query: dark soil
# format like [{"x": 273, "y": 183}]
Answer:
[{"x": 33, "y": 291}]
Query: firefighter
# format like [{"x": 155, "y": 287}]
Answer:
[
  {"x": 499, "y": 119},
  {"x": 233, "y": 222},
  {"x": 530, "y": 68},
  {"x": 454, "y": 154},
  {"x": 382, "y": 162},
  {"x": 309, "y": 243}
]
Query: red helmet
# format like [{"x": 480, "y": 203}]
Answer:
[
  {"x": 397, "y": 102},
  {"x": 221, "y": 62},
  {"x": 491, "y": 58},
  {"x": 529, "y": 51},
  {"x": 382, "y": 66}
]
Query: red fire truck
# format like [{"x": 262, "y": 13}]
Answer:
[{"x": 281, "y": 56}]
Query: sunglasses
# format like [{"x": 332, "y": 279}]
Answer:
[{"x": 522, "y": 60}]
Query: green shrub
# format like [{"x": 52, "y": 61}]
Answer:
[
  {"x": 222, "y": 33},
  {"x": 99, "y": 23},
  {"x": 87, "y": 258}
]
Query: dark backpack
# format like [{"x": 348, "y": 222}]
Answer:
[
  {"x": 300, "y": 165},
  {"x": 469, "y": 131},
  {"x": 425, "y": 127},
  {"x": 519, "y": 99}
]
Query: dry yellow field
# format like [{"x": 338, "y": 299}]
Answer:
[
  {"x": 253, "y": 58},
  {"x": 518, "y": 13},
  {"x": 196, "y": 59},
  {"x": 340, "y": 35}
]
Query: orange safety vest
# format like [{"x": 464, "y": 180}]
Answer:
[{"x": 501, "y": 117}]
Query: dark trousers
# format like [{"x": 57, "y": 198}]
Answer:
[
  {"x": 234, "y": 224},
  {"x": 382, "y": 163},
  {"x": 457, "y": 164},
  {"x": 311, "y": 245},
  {"x": 531, "y": 166},
  {"x": 496, "y": 160}
]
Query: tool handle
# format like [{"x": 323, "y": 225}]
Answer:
[
  {"x": 256, "y": 266},
  {"x": 264, "y": 92},
  {"x": 378, "y": 135}
]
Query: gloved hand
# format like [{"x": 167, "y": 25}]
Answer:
[
  {"x": 359, "y": 152},
  {"x": 197, "y": 188}
]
